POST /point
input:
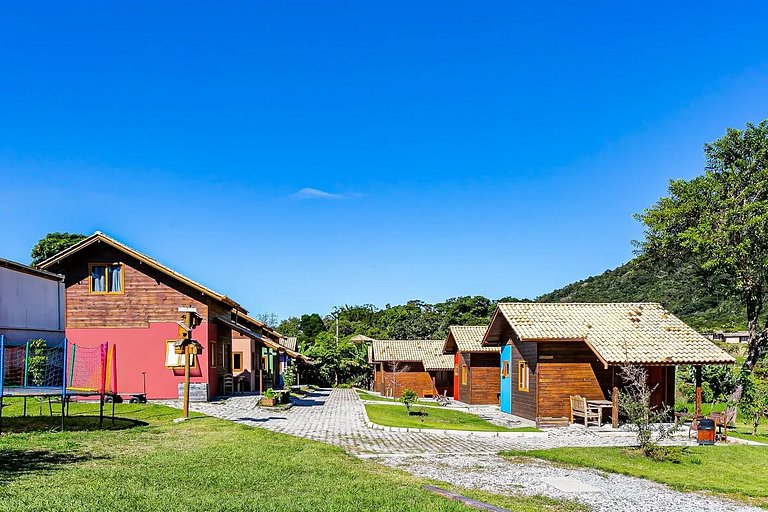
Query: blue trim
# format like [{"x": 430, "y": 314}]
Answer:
[{"x": 505, "y": 397}]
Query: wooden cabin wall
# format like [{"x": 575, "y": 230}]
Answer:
[
  {"x": 415, "y": 378},
  {"x": 565, "y": 369},
  {"x": 524, "y": 402},
  {"x": 484, "y": 378},
  {"x": 149, "y": 295},
  {"x": 465, "y": 390}
]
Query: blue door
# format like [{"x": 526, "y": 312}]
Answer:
[{"x": 505, "y": 402}]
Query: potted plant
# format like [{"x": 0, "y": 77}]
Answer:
[{"x": 268, "y": 400}]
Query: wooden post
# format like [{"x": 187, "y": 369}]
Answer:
[
  {"x": 697, "y": 406},
  {"x": 615, "y": 399},
  {"x": 186, "y": 381},
  {"x": 261, "y": 370}
]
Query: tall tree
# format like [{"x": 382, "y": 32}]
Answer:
[
  {"x": 53, "y": 243},
  {"x": 719, "y": 221}
]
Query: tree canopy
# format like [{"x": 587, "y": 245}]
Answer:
[
  {"x": 53, "y": 243},
  {"x": 719, "y": 222}
]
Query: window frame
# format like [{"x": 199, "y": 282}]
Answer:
[
  {"x": 464, "y": 375},
  {"x": 242, "y": 362},
  {"x": 505, "y": 369},
  {"x": 192, "y": 363},
  {"x": 523, "y": 376},
  {"x": 106, "y": 278}
]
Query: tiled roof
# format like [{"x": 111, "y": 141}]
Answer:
[
  {"x": 289, "y": 343},
  {"x": 467, "y": 338},
  {"x": 428, "y": 352},
  {"x": 639, "y": 333}
]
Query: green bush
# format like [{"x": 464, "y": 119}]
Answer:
[
  {"x": 408, "y": 397},
  {"x": 289, "y": 377}
]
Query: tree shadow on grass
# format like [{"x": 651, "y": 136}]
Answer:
[{"x": 15, "y": 463}]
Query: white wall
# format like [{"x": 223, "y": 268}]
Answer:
[{"x": 31, "y": 306}]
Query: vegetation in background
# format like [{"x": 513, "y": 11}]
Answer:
[
  {"x": 52, "y": 244},
  {"x": 718, "y": 222}
]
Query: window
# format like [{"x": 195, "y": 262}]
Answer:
[
  {"x": 505, "y": 370},
  {"x": 174, "y": 360},
  {"x": 463, "y": 375},
  {"x": 237, "y": 362},
  {"x": 105, "y": 278},
  {"x": 212, "y": 354},
  {"x": 523, "y": 379}
]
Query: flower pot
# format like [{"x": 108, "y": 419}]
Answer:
[{"x": 267, "y": 402}]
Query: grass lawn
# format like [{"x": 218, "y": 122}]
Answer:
[
  {"x": 377, "y": 398},
  {"x": 205, "y": 463},
  {"x": 743, "y": 429},
  {"x": 738, "y": 472},
  {"x": 444, "y": 419}
]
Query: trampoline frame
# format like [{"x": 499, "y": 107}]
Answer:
[{"x": 62, "y": 392}]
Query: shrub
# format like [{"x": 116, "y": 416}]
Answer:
[
  {"x": 408, "y": 397},
  {"x": 635, "y": 404},
  {"x": 289, "y": 377},
  {"x": 270, "y": 393}
]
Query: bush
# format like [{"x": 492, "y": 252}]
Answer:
[
  {"x": 270, "y": 393},
  {"x": 408, "y": 397},
  {"x": 289, "y": 377}
]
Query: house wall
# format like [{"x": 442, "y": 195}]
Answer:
[
  {"x": 465, "y": 390},
  {"x": 524, "y": 402},
  {"x": 484, "y": 378},
  {"x": 565, "y": 369},
  {"x": 140, "y": 320},
  {"x": 31, "y": 306},
  {"x": 416, "y": 378}
]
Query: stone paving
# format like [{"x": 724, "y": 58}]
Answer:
[{"x": 337, "y": 417}]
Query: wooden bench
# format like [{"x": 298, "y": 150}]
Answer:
[{"x": 579, "y": 407}]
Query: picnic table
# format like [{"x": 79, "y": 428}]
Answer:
[{"x": 600, "y": 405}]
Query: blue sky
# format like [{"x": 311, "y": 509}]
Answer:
[{"x": 301, "y": 155}]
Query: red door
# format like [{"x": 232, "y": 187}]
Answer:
[{"x": 456, "y": 376}]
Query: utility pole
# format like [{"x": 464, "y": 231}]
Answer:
[{"x": 336, "y": 373}]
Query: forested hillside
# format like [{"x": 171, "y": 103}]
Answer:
[{"x": 699, "y": 302}]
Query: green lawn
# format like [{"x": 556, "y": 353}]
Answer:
[
  {"x": 378, "y": 398},
  {"x": 738, "y": 472},
  {"x": 439, "y": 418},
  {"x": 206, "y": 464}
]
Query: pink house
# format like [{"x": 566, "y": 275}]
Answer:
[{"x": 117, "y": 294}]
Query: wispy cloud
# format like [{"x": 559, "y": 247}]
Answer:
[{"x": 314, "y": 193}]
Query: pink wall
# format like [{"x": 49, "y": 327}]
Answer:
[{"x": 143, "y": 350}]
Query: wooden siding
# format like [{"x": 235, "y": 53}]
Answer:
[
  {"x": 415, "y": 378},
  {"x": 149, "y": 295},
  {"x": 565, "y": 369},
  {"x": 484, "y": 378},
  {"x": 524, "y": 402},
  {"x": 465, "y": 390}
]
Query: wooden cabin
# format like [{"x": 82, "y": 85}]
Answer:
[
  {"x": 550, "y": 352},
  {"x": 475, "y": 367},
  {"x": 117, "y": 294},
  {"x": 416, "y": 364}
]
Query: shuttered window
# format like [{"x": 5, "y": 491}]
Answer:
[{"x": 523, "y": 377}]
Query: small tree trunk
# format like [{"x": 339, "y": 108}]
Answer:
[{"x": 758, "y": 339}]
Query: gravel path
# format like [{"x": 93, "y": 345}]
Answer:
[{"x": 337, "y": 417}]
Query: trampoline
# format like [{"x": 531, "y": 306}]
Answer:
[{"x": 60, "y": 370}]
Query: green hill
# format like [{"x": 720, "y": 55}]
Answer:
[{"x": 687, "y": 295}]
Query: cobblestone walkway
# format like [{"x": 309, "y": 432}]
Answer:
[{"x": 337, "y": 417}]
